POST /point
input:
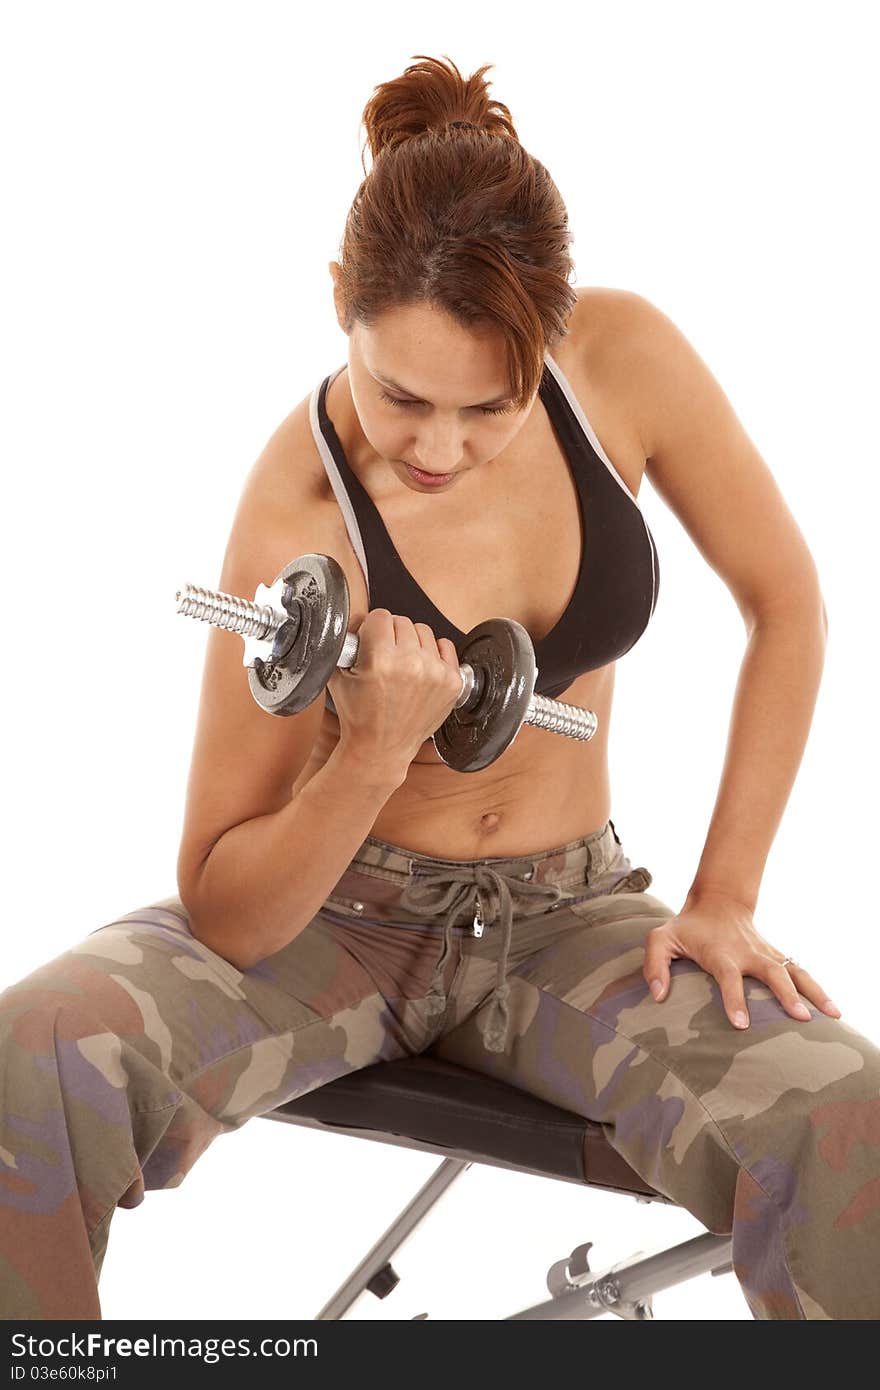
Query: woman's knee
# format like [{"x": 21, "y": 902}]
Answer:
[{"x": 119, "y": 988}]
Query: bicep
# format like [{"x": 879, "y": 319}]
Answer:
[{"x": 244, "y": 760}]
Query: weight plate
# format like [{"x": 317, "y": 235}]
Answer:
[
  {"x": 315, "y": 588},
  {"x": 502, "y": 651}
]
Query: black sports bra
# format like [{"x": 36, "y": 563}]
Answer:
[{"x": 617, "y": 587}]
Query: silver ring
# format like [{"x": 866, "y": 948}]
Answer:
[{"x": 789, "y": 960}]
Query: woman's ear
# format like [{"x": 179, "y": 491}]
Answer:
[{"x": 336, "y": 270}]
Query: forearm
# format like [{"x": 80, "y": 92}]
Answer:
[
  {"x": 772, "y": 712},
  {"x": 265, "y": 879}
]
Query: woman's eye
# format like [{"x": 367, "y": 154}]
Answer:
[{"x": 395, "y": 400}]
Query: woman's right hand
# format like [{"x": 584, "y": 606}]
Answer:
[{"x": 403, "y": 685}]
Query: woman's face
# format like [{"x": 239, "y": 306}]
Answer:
[{"x": 431, "y": 394}]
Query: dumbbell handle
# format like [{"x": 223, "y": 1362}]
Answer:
[
  {"x": 348, "y": 656},
  {"x": 262, "y": 622}
]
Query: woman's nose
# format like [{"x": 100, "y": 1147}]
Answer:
[{"x": 439, "y": 450}]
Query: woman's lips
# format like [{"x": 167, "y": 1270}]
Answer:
[{"x": 428, "y": 479}]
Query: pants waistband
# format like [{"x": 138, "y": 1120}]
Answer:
[{"x": 579, "y": 861}]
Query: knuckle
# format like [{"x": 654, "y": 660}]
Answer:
[
  {"x": 453, "y": 680},
  {"x": 758, "y": 964},
  {"x": 728, "y": 974}
]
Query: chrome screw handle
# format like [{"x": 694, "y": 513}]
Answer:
[
  {"x": 258, "y": 623},
  {"x": 560, "y": 718}
]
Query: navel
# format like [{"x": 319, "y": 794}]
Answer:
[{"x": 490, "y": 821}]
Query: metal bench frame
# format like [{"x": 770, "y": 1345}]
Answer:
[{"x": 466, "y": 1117}]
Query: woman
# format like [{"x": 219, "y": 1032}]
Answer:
[{"x": 347, "y": 898}]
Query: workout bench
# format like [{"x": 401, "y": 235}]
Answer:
[{"x": 435, "y": 1106}]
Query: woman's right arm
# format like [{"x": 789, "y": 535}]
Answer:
[
  {"x": 257, "y": 857},
  {"x": 266, "y": 878}
]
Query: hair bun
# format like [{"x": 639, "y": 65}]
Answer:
[{"x": 432, "y": 95}]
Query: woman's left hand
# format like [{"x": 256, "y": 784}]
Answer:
[{"x": 719, "y": 934}]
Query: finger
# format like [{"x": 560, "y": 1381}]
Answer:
[
  {"x": 376, "y": 631},
  {"x": 777, "y": 977},
  {"x": 733, "y": 994},
  {"x": 426, "y": 637},
  {"x": 382, "y": 619},
  {"x": 812, "y": 990},
  {"x": 405, "y": 634},
  {"x": 448, "y": 651},
  {"x": 656, "y": 966},
  {"x": 449, "y": 656}
]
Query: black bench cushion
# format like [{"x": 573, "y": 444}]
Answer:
[{"x": 448, "y": 1107}]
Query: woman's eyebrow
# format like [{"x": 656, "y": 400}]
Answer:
[{"x": 386, "y": 381}]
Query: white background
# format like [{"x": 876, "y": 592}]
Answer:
[{"x": 176, "y": 178}]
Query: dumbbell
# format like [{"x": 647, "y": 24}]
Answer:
[{"x": 296, "y": 633}]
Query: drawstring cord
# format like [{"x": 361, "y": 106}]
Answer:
[{"x": 454, "y": 889}]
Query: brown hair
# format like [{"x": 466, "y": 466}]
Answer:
[{"x": 454, "y": 212}]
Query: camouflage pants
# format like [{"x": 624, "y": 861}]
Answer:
[{"x": 125, "y": 1056}]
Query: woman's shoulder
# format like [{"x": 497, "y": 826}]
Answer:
[
  {"x": 608, "y": 340},
  {"x": 284, "y": 492},
  {"x": 603, "y": 318}
]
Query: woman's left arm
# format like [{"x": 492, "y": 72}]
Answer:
[
  {"x": 704, "y": 465},
  {"x": 773, "y": 708},
  {"x": 772, "y": 712}
]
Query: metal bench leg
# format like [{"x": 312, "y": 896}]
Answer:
[
  {"x": 375, "y": 1271},
  {"x": 626, "y": 1288}
]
